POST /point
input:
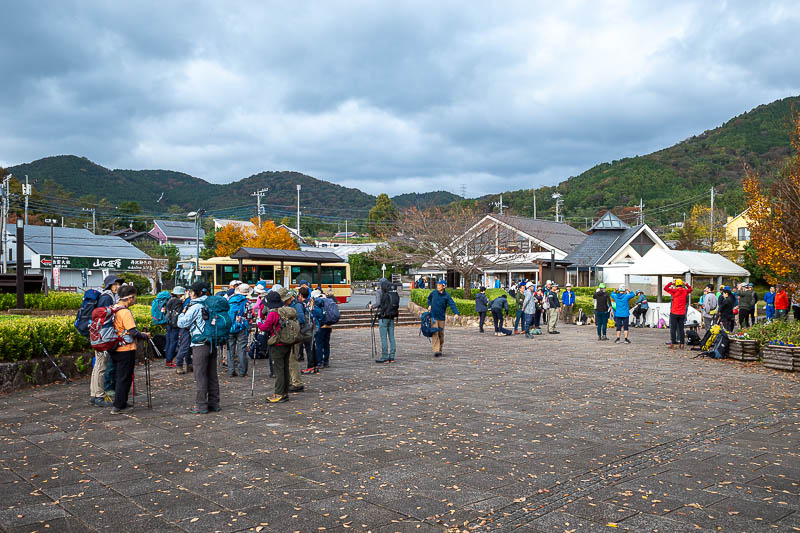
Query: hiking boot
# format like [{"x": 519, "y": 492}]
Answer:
[
  {"x": 605, "y": 337},
  {"x": 599, "y": 337},
  {"x": 325, "y": 365},
  {"x": 627, "y": 341},
  {"x": 199, "y": 410},
  {"x": 118, "y": 410},
  {"x": 297, "y": 388},
  {"x": 271, "y": 374},
  {"x": 233, "y": 374},
  {"x": 189, "y": 369},
  {"x": 437, "y": 354},
  {"x": 481, "y": 331},
  {"x": 381, "y": 361},
  {"x": 170, "y": 364},
  {"x": 275, "y": 398},
  {"x": 309, "y": 371},
  {"x": 214, "y": 408},
  {"x": 180, "y": 370},
  {"x": 616, "y": 341}
]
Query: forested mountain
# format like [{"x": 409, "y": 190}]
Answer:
[{"x": 425, "y": 199}]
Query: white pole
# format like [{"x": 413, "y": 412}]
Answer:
[
  {"x": 298, "y": 209},
  {"x": 534, "y": 204},
  {"x": 27, "y": 194},
  {"x": 345, "y": 231},
  {"x": 501, "y": 204},
  {"x": 711, "y": 229}
]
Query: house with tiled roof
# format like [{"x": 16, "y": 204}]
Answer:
[{"x": 182, "y": 234}]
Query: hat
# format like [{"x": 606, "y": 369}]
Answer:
[
  {"x": 640, "y": 291},
  {"x": 529, "y": 284},
  {"x": 726, "y": 288},
  {"x": 199, "y": 288},
  {"x": 678, "y": 282},
  {"x": 622, "y": 287},
  {"x": 302, "y": 282},
  {"x": 441, "y": 282},
  {"x": 111, "y": 279},
  {"x": 274, "y": 300},
  {"x": 259, "y": 289},
  {"x": 234, "y": 283},
  {"x": 749, "y": 284},
  {"x": 179, "y": 290},
  {"x": 316, "y": 293},
  {"x": 243, "y": 288},
  {"x": 285, "y": 294},
  {"x": 483, "y": 289},
  {"x": 569, "y": 284},
  {"x": 277, "y": 287},
  {"x": 601, "y": 286}
]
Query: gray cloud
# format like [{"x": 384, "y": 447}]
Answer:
[{"x": 385, "y": 97}]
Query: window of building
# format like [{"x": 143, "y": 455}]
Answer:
[
  {"x": 744, "y": 234},
  {"x": 250, "y": 273},
  {"x": 642, "y": 243},
  {"x": 330, "y": 275}
]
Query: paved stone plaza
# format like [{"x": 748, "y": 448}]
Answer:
[{"x": 560, "y": 433}]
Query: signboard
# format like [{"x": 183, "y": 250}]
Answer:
[
  {"x": 56, "y": 277},
  {"x": 79, "y": 263}
]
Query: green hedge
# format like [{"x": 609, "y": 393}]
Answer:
[
  {"x": 464, "y": 306},
  {"x": 778, "y": 330},
  {"x": 20, "y": 336},
  {"x": 55, "y": 301}
]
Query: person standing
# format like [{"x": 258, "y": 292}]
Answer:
[
  {"x": 295, "y": 380},
  {"x": 602, "y": 311},
  {"x": 747, "y": 303},
  {"x": 781, "y": 304},
  {"x": 677, "y": 312},
  {"x": 279, "y": 353},
  {"x": 498, "y": 306},
  {"x": 183, "y": 362},
  {"x": 640, "y": 309},
  {"x": 568, "y": 303},
  {"x": 204, "y": 355},
  {"x": 710, "y": 305},
  {"x": 108, "y": 298},
  {"x": 323, "y": 336},
  {"x": 481, "y": 306},
  {"x": 438, "y": 301},
  {"x": 725, "y": 305},
  {"x": 537, "y": 315},
  {"x": 124, "y": 356},
  {"x": 172, "y": 310},
  {"x": 388, "y": 310},
  {"x": 240, "y": 329},
  {"x": 529, "y": 308},
  {"x": 622, "y": 298},
  {"x": 519, "y": 297},
  {"x": 769, "y": 300},
  {"x": 308, "y": 328},
  {"x": 554, "y": 303}
]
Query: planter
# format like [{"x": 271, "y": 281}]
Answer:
[
  {"x": 781, "y": 357},
  {"x": 743, "y": 349}
]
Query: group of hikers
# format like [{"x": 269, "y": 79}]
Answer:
[
  {"x": 724, "y": 305},
  {"x": 260, "y": 322}
]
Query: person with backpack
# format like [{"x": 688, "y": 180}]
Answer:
[
  {"x": 499, "y": 306},
  {"x": 725, "y": 306},
  {"x": 323, "y": 335},
  {"x": 519, "y": 297},
  {"x": 640, "y": 309},
  {"x": 289, "y": 300},
  {"x": 602, "y": 311},
  {"x": 529, "y": 308},
  {"x": 308, "y": 330},
  {"x": 388, "y": 311},
  {"x": 438, "y": 301},
  {"x": 108, "y": 298},
  {"x": 172, "y": 310},
  {"x": 124, "y": 356},
  {"x": 747, "y": 303},
  {"x": 83, "y": 320},
  {"x": 183, "y": 359},
  {"x": 553, "y": 303},
  {"x": 710, "y": 303},
  {"x": 279, "y": 352},
  {"x": 204, "y": 351},
  {"x": 622, "y": 314},
  {"x": 240, "y": 329},
  {"x": 481, "y": 306},
  {"x": 680, "y": 292}
]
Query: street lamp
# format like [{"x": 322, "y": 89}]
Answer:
[
  {"x": 196, "y": 215},
  {"x": 52, "y": 222}
]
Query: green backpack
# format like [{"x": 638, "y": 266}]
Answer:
[
  {"x": 217, "y": 322},
  {"x": 288, "y": 329}
]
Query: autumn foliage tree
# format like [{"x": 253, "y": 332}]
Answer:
[
  {"x": 774, "y": 212},
  {"x": 231, "y": 237}
]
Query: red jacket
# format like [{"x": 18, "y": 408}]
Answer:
[
  {"x": 679, "y": 295},
  {"x": 781, "y": 300}
]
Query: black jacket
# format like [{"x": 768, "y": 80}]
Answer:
[
  {"x": 603, "y": 301},
  {"x": 725, "y": 306}
]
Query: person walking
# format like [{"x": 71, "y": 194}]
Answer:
[
  {"x": 781, "y": 304},
  {"x": 519, "y": 297},
  {"x": 279, "y": 353},
  {"x": 622, "y": 298},
  {"x": 554, "y": 303},
  {"x": 204, "y": 355},
  {"x": 680, "y": 292},
  {"x": 172, "y": 310},
  {"x": 710, "y": 305},
  {"x": 769, "y": 301},
  {"x": 388, "y": 310},
  {"x": 568, "y": 303},
  {"x": 124, "y": 356},
  {"x": 498, "y": 306},
  {"x": 725, "y": 306},
  {"x": 529, "y": 308},
  {"x": 602, "y": 311},
  {"x": 240, "y": 329},
  {"x": 481, "y": 306},
  {"x": 438, "y": 301}
]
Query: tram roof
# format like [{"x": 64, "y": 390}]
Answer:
[{"x": 271, "y": 254}]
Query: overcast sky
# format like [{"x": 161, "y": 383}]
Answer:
[{"x": 384, "y": 96}]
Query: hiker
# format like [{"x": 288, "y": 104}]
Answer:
[
  {"x": 568, "y": 303},
  {"x": 279, "y": 353},
  {"x": 622, "y": 314},
  {"x": 640, "y": 309},
  {"x": 172, "y": 309},
  {"x": 232, "y": 289},
  {"x": 725, "y": 305},
  {"x": 308, "y": 329},
  {"x": 519, "y": 297},
  {"x": 781, "y": 304},
  {"x": 747, "y": 304},
  {"x": 680, "y": 292},
  {"x": 796, "y": 305},
  {"x": 323, "y": 335},
  {"x": 498, "y": 306},
  {"x": 183, "y": 361},
  {"x": 481, "y": 306},
  {"x": 204, "y": 355},
  {"x": 295, "y": 381},
  {"x": 769, "y": 300},
  {"x": 240, "y": 329},
  {"x": 537, "y": 316},
  {"x": 124, "y": 356},
  {"x": 388, "y": 310},
  {"x": 710, "y": 304},
  {"x": 529, "y": 308},
  {"x": 602, "y": 311},
  {"x": 553, "y": 303},
  {"x": 438, "y": 301},
  {"x": 108, "y": 298}
]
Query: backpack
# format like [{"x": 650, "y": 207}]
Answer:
[
  {"x": 238, "y": 309},
  {"x": 84, "y": 316},
  {"x": 103, "y": 336},
  {"x": 173, "y": 311},
  {"x": 426, "y": 325},
  {"x": 721, "y": 344},
  {"x": 692, "y": 338},
  {"x": 307, "y": 327},
  {"x": 217, "y": 325},
  {"x": 330, "y": 312},
  {"x": 288, "y": 330},
  {"x": 390, "y": 305},
  {"x": 157, "y": 308}
]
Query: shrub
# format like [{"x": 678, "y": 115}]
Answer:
[
  {"x": 778, "y": 330},
  {"x": 141, "y": 283}
]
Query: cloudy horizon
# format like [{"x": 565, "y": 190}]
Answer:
[{"x": 383, "y": 97}]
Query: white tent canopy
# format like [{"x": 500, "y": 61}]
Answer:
[{"x": 682, "y": 262}]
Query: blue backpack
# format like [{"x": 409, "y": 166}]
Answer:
[
  {"x": 426, "y": 325},
  {"x": 84, "y": 316},
  {"x": 330, "y": 312},
  {"x": 217, "y": 325},
  {"x": 238, "y": 308},
  {"x": 158, "y": 308}
]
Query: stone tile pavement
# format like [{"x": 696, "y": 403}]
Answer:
[{"x": 559, "y": 433}]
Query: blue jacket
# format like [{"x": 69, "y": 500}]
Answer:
[
  {"x": 300, "y": 309},
  {"x": 623, "y": 301},
  {"x": 481, "y": 303},
  {"x": 192, "y": 318},
  {"x": 107, "y": 298},
  {"x": 500, "y": 304},
  {"x": 438, "y": 304},
  {"x": 642, "y": 299},
  {"x": 769, "y": 298},
  {"x": 568, "y": 298}
]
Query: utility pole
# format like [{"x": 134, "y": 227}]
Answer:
[
  {"x": 52, "y": 222},
  {"x": 641, "y": 211},
  {"x": 3, "y": 225},
  {"x": 26, "y": 191},
  {"x": 258, "y": 194},
  {"x": 345, "y": 231},
  {"x": 534, "y": 204},
  {"x": 499, "y": 204},
  {"x": 94, "y": 218},
  {"x": 711, "y": 228},
  {"x": 557, "y": 197},
  {"x": 298, "y": 209}
]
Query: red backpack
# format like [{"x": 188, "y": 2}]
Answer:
[{"x": 103, "y": 336}]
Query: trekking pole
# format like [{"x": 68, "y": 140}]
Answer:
[{"x": 66, "y": 379}]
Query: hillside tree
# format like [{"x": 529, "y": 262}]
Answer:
[{"x": 383, "y": 217}]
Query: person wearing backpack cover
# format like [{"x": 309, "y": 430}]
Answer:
[
  {"x": 103, "y": 381},
  {"x": 124, "y": 356},
  {"x": 388, "y": 310},
  {"x": 240, "y": 329},
  {"x": 172, "y": 309},
  {"x": 278, "y": 352},
  {"x": 438, "y": 301},
  {"x": 289, "y": 300},
  {"x": 677, "y": 311},
  {"x": 481, "y": 307},
  {"x": 204, "y": 354}
]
